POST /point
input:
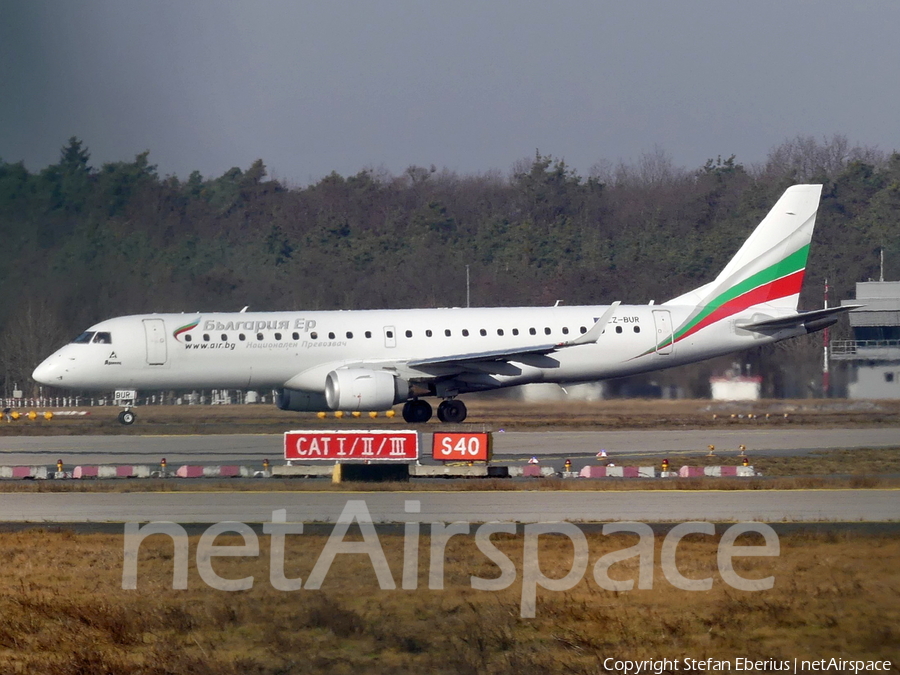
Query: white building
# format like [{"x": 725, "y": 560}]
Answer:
[{"x": 874, "y": 352}]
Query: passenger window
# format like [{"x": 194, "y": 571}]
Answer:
[
  {"x": 428, "y": 333},
  {"x": 103, "y": 338},
  {"x": 187, "y": 338},
  {"x": 546, "y": 331},
  {"x": 565, "y": 331},
  {"x": 224, "y": 337},
  {"x": 84, "y": 338},
  {"x": 349, "y": 335},
  {"x": 295, "y": 336},
  {"x": 532, "y": 331},
  {"x": 583, "y": 330},
  {"x": 637, "y": 329},
  {"x": 278, "y": 336},
  {"x": 515, "y": 331},
  {"x": 465, "y": 332},
  {"x": 368, "y": 333},
  {"x": 314, "y": 336},
  {"x": 259, "y": 336},
  {"x": 499, "y": 331},
  {"x": 206, "y": 337},
  {"x": 447, "y": 332},
  {"x": 618, "y": 329},
  {"x": 483, "y": 332},
  {"x": 409, "y": 333},
  {"x": 389, "y": 334},
  {"x": 331, "y": 336},
  {"x": 241, "y": 337}
]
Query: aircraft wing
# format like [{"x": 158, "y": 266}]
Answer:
[
  {"x": 812, "y": 321},
  {"x": 502, "y": 355}
]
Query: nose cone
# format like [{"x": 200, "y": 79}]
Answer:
[{"x": 50, "y": 372}]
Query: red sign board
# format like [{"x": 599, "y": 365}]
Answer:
[
  {"x": 472, "y": 447},
  {"x": 380, "y": 446}
]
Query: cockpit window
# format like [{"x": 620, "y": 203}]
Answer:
[
  {"x": 84, "y": 338},
  {"x": 102, "y": 338}
]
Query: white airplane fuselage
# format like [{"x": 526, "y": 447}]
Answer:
[{"x": 272, "y": 350}]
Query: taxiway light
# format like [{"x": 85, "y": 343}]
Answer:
[
  {"x": 339, "y": 413},
  {"x": 48, "y": 415},
  {"x": 321, "y": 415},
  {"x": 389, "y": 413},
  {"x": 356, "y": 413},
  {"x": 32, "y": 415},
  {"x": 373, "y": 414}
]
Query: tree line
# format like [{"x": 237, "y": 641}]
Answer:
[{"x": 80, "y": 243}]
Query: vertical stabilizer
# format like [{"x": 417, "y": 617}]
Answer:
[{"x": 768, "y": 269}]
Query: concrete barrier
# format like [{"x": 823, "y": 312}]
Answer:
[
  {"x": 716, "y": 471},
  {"x": 617, "y": 472},
  {"x": 21, "y": 472},
  {"x": 441, "y": 471},
  {"x": 302, "y": 470}
]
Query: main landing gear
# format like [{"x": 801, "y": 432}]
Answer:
[
  {"x": 452, "y": 411},
  {"x": 418, "y": 411}
]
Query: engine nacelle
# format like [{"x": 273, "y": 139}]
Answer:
[
  {"x": 300, "y": 401},
  {"x": 362, "y": 389}
]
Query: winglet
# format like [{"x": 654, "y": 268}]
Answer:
[{"x": 596, "y": 330}]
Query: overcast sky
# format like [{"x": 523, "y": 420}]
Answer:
[{"x": 315, "y": 87}]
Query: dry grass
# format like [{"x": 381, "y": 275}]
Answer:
[
  {"x": 484, "y": 413},
  {"x": 63, "y": 611}
]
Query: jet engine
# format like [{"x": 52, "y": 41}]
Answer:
[
  {"x": 361, "y": 389},
  {"x": 300, "y": 401}
]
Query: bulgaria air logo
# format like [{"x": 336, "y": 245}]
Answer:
[{"x": 184, "y": 329}]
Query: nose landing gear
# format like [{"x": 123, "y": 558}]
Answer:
[{"x": 127, "y": 417}]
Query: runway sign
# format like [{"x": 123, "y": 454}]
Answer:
[
  {"x": 472, "y": 447},
  {"x": 372, "y": 446}
]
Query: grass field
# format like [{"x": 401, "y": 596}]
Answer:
[{"x": 63, "y": 610}]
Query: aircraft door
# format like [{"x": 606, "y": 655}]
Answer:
[
  {"x": 662, "y": 321},
  {"x": 155, "y": 333},
  {"x": 390, "y": 337}
]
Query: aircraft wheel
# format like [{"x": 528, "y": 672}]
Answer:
[
  {"x": 416, "y": 412},
  {"x": 127, "y": 417},
  {"x": 452, "y": 411}
]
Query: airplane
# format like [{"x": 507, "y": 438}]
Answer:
[{"x": 371, "y": 360}]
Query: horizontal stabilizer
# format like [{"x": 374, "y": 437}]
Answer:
[{"x": 814, "y": 320}]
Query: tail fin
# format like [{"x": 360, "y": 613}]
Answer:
[{"x": 767, "y": 270}]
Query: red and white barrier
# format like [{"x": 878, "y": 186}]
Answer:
[
  {"x": 193, "y": 471},
  {"x": 107, "y": 471},
  {"x": 716, "y": 471},
  {"x": 20, "y": 472},
  {"x": 618, "y": 472}
]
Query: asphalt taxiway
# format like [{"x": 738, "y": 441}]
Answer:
[
  {"x": 553, "y": 445},
  {"x": 476, "y": 507}
]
